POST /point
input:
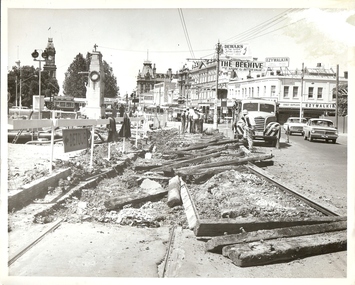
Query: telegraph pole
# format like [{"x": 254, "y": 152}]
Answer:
[
  {"x": 216, "y": 99},
  {"x": 301, "y": 92},
  {"x": 336, "y": 98}
]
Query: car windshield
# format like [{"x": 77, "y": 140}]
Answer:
[
  {"x": 269, "y": 108},
  {"x": 296, "y": 120},
  {"x": 250, "y": 106},
  {"x": 264, "y": 107},
  {"x": 322, "y": 123}
]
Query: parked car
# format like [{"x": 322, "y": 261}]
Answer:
[
  {"x": 320, "y": 129},
  {"x": 294, "y": 125}
]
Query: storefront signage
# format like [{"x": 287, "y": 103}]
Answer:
[
  {"x": 236, "y": 50},
  {"x": 308, "y": 105},
  {"x": 319, "y": 105},
  {"x": 241, "y": 65},
  {"x": 277, "y": 62}
]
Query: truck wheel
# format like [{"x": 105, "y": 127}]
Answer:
[
  {"x": 304, "y": 136},
  {"x": 334, "y": 141}
]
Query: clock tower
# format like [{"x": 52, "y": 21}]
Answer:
[{"x": 50, "y": 60}]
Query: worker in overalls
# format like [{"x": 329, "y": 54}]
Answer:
[{"x": 248, "y": 129}]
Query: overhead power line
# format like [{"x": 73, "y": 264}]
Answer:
[{"x": 186, "y": 32}]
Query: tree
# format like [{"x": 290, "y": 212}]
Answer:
[
  {"x": 342, "y": 99},
  {"x": 75, "y": 83},
  {"x": 29, "y": 85},
  {"x": 111, "y": 88}
]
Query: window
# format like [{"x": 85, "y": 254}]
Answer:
[
  {"x": 295, "y": 91},
  {"x": 258, "y": 91},
  {"x": 273, "y": 90},
  {"x": 310, "y": 92},
  {"x": 264, "y": 90},
  {"x": 286, "y": 91},
  {"x": 252, "y": 92},
  {"x": 320, "y": 93}
]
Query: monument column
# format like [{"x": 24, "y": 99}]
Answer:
[{"x": 95, "y": 108}]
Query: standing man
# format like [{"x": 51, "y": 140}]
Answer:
[
  {"x": 248, "y": 130},
  {"x": 195, "y": 118},
  {"x": 183, "y": 121}
]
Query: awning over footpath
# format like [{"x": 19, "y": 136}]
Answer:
[{"x": 342, "y": 90}]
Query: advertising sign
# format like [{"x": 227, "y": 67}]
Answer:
[
  {"x": 277, "y": 61},
  {"x": 236, "y": 50},
  {"x": 75, "y": 139},
  {"x": 241, "y": 65}
]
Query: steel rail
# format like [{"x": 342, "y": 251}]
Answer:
[
  {"x": 23, "y": 251},
  {"x": 171, "y": 243}
]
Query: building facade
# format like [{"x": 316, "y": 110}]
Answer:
[
  {"x": 309, "y": 93},
  {"x": 147, "y": 79}
]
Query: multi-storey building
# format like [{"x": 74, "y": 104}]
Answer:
[
  {"x": 309, "y": 92},
  {"x": 147, "y": 78}
]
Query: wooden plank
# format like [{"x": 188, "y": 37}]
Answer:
[
  {"x": 217, "y": 227},
  {"x": 190, "y": 210},
  {"x": 186, "y": 170},
  {"x": 134, "y": 198},
  {"x": 217, "y": 243},
  {"x": 204, "y": 145},
  {"x": 285, "y": 250},
  {"x": 186, "y": 161}
]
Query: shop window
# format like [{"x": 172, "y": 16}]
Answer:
[
  {"x": 320, "y": 93},
  {"x": 286, "y": 91},
  {"x": 295, "y": 91},
  {"x": 310, "y": 92}
]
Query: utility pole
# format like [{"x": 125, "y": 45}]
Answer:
[
  {"x": 216, "y": 99},
  {"x": 336, "y": 98},
  {"x": 301, "y": 92}
]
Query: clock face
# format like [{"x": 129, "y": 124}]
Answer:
[
  {"x": 94, "y": 76},
  {"x": 50, "y": 57}
]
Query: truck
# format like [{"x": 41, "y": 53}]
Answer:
[{"x": 263, "y": 117}]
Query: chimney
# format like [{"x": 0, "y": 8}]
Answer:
[
  {"x": 345, "y": 74},
  {"x": 319, "y": 65}
]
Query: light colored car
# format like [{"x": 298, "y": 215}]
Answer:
[
  {"x": 320, "y": 129},
  {"x": 294, "y": 125}
]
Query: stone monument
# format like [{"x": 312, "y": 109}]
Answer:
[{"x": 95, "y": 108}]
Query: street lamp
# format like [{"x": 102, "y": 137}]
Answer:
[{"x": 35, "y": 55}]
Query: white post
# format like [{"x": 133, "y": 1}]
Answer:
[
  {"x": 123, "y": 147},
  {"x": 92, "y": 145},
  {"x": 109, "y": 151},
  {"x": 52, "y": 147},
  {"x": 137, "y": 135}
]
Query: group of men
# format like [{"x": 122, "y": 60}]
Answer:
[{"x": 192, "y": 120}]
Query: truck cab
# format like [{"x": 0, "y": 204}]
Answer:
[{"x": 263, "y": 118}]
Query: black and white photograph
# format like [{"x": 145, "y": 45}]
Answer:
[{"x": 207, "y": 141}]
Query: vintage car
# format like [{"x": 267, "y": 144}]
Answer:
[
  {"x": 294, "y": 125},
  {"x": 320, "y": 129}
]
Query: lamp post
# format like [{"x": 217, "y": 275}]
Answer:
[
  {"x": 35, "y": 55},
  {"x": 19, "y": 66}
]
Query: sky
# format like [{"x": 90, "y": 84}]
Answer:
[{"x": 127, "y": 36}]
